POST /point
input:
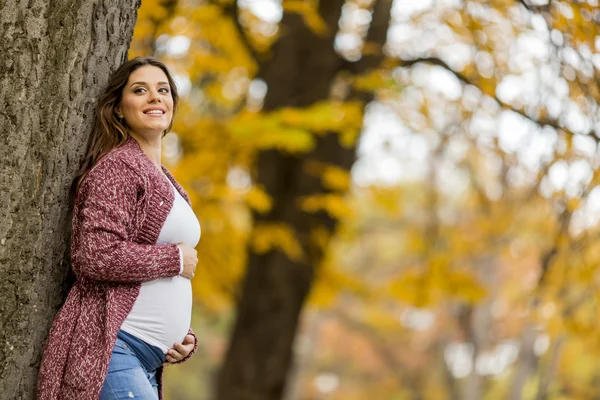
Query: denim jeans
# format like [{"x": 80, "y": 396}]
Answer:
[{"x": 132, "y": 370}]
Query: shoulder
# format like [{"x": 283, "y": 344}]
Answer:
[
  {"x": 120, "y": 166},
  {"x": 124, "y": 156}
]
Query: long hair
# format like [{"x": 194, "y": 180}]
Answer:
[{"x": 109, "y": 131}]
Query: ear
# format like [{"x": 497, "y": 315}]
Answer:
[{"x": 118, "y": 112}]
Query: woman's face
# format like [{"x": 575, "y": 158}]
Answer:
[{"x": 146, "y": 102}]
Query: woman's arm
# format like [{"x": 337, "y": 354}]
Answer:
[{"x": 101, "y": 248}]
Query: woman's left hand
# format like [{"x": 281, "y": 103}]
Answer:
[{"x": 180, "y": 350}]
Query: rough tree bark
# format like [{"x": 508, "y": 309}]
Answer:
[
  {"x": 56, "y": 58},
  {"x": 299, "y": 74}
]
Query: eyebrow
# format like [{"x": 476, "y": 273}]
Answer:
[{"x": 144, "y": 83}]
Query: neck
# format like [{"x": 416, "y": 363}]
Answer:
[{"x": 151, "y": 147}]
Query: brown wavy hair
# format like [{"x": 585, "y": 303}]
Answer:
[{"x": 109, "y": 131}]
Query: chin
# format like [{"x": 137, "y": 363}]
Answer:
[
  {"x": 150, "y": 131},
  {"x": 156, "y": 128}
]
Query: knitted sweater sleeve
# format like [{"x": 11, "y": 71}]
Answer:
[{"x": 101, "y": 248}]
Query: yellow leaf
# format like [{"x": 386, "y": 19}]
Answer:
[
  {"x": 276, "y": 236},
  {"x": 336, "y": 178},
  {"x": 310, "y": 14},
  {"x": 258, "y": 199},
  {"x": 334, "y": 205}
]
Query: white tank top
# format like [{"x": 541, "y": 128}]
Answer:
[{"x": 162, "y": 312}]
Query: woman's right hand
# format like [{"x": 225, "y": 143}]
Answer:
[{"x": 190, "y": 259}]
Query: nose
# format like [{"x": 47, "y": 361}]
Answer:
[{"x": 154, "y": 96}]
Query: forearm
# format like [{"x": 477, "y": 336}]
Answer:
[{"x": 126, "y": 262}]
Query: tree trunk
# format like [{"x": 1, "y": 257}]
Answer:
[
  {"x": 56, "y": 58},
  {"x": 300, "y": 74},
  {"x": 548, "y": 373},
  {"x": 526, "y": 363}
]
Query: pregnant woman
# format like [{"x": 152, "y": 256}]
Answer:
[{"x": 134, "y": 232}]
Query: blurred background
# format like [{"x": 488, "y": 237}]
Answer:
[{"x": 398, "y": 199}]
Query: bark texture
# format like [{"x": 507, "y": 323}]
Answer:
[
  {"x": 56, "y": 58},
  {"x": 299, "y": 74}
]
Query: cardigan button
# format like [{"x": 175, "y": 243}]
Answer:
[{"x": 161, "y": 203}]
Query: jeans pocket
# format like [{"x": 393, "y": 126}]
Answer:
[
  {"x": 121, "y": 347},
  {"x": 122, "y": 358}
]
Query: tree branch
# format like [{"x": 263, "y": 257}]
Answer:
[
  {"x": 233, "y": 11},
  {"x": 376, "y": 36},
  {"x": 536, "y": 8},
  {"x": 551, "y": 122}
]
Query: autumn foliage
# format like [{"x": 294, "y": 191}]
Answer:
[{"x": 456, "y": 257}]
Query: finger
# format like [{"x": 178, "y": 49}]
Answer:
[
  {"x": 170, "y": 359},
  {"x": 173, "y": 356},
  {"x": 174, "y": 351},
  {"x": 189, "y": 339},
  {"x": 181, "y": 349}
]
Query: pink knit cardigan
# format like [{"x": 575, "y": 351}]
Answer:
[{"x": 119, "y": 211}]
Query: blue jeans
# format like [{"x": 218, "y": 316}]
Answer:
[{"x": 132, "y": 370}]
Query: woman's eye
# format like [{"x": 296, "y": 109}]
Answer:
[
  {"x": 165, "y": 90},
  {"x": 138, "y": 90}
]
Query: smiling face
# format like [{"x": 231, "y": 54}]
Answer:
[{"x": 146, "y": 102}]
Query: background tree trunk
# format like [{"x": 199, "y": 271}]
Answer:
[
  {"x": 56, "y": 58},
  {"x": 300, "y": 73}
]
